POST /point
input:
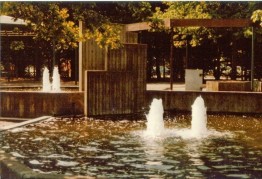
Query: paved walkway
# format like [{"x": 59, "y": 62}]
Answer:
[
  {"x": 31, "y": 83},
  {"x": 4, "y": 123},
  {"x": 165, "y": 86}
]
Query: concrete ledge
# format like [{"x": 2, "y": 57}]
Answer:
[
  {"x": 21, "y": 124},
  {"x": 14, "y": 119},
  {"x": 228, "y": 85},
  {"x": 32, "y": 104},
  {"x": 224, "y": 102},
  {"x": 11, "y": 168}
]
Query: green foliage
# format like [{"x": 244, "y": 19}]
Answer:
[
  {"x": 204, "y": 10},
  {"x": 17, "y": 45},
  {"x": 57, "y": 22},
  {"x": 48, "y": 21},
  {"x": 107, "y": 35},
  {"x": 183, "y": 10},
  {"x": 257, "y": 17}
]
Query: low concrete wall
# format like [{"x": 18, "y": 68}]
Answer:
[
  {"x": 228, "y": 85},
  {"x": 11, "y": 168},
  {"x": 226, "y": 102},
  {"x": 35, "y": 104}
]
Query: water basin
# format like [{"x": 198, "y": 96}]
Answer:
[{"x": 119, "y": 147}]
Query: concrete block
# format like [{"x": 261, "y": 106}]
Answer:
[{"x": 194, "y": 79}]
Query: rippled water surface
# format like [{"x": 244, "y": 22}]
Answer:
[{"x": 120, "y": 149}]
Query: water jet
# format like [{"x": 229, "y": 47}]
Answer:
[
  {"x": 46, "y": 80},
  {"x": 199, "y": 118},
  {"x": 155, "y": 123}
]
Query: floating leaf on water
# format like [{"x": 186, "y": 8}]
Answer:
[
  {"x": 104, "y": 156},
  {"x": 38, "y": 139},
  {"x": 160, "y": 167},
  {"x": 128, "y": 160},
  {"x": 6, "y": 147},
  {"x": 16, "y": 154},
  {"x": 88, "y": 149},
  {"x": 203, "y": 167},
  {"x": 35, "y": 162},
  {"x": 171, "y": 161},
  {"x": 174, "y": 171},
  {"x": 114, "y": 164},
  {"x": 238, "y": 176},
  {"x": 59, "y": 156},
  {"x": 125, "y": 149},
  {"x": 217, "y": 160},
  {"x": 138, "y": 166},
  {"x": 66, "y": 163}
]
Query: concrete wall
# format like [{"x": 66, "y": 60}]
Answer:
[
  {"x": 232, "y": 102},
  {"x": 10, "y": 168},
  {"x": 228, "y": 85},
  {"x": 35, "y": 104}
]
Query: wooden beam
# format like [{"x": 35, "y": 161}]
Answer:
[
  {"x": 145, "y": 26},
  {"x": 211, "y": 22},
  {"x": 169, "y": 23},
  {"x": 137, "y": 26}
]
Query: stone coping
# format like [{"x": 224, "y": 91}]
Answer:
[
  {"x": 13, "y": 119},
  {"x": 11, "y": 168},
  {"x": 21, "y": 124}
]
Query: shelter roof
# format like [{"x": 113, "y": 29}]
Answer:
[
  {"x": 171, "y": 23},
  {"x": 11, "y": 21},
  {"x": 7, "y": 25}
]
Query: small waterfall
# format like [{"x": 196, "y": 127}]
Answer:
[
  {"x": 155, "y": 122},
  {"x": 56, "y": 80},
  {"x": 46, "y": 81},
  {"x": 199, "y": 118}
]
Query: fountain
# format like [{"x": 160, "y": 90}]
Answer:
[
  {"x": 56, "y": 80},
  {"x": 199, "y": 118},
  {"x": 46, "y": 81},
  {"x": 155, "y": 123},
  {"x": 116, "y": 147},
  {"x": 55, "y": 87}
]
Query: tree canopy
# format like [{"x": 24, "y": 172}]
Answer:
[
  {"x": 57, "y": 22},
  {"x": 204, "y": 10}
]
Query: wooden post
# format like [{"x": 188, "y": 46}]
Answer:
[
  {"x": 80, "y": 58},
  {"x": 106, "y": 59},
  {"x": 54, "y": 55},
  {"x": 86, "y": 92},
  {"x": 252, "y": 58},
  {"x": 76, "y": 64},
  {"x": 171, "y": 58},
  {"x": 187, "y": 61}
]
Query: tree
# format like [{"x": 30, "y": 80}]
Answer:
[
  {"x": 257, "y": 16},
  {"x": 183, "y": 37},
  {"x": 196, "y": 36},
  {"x": 55, "y": 24}
]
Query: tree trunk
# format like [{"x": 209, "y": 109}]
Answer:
[{"x": 233, "y": 62}]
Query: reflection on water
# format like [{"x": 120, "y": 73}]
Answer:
[{"x": 110, "y": 148}]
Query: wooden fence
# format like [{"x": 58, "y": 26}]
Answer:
[{"x": 121, "y": 88}]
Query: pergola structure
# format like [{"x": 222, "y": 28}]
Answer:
[
  {"x": 7, "y": 25},
  {"x": 12, "y": 29},
  {"x": 209, "y": 23}
]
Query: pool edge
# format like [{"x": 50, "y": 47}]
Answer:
[{"x": 11, "y": 168}]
